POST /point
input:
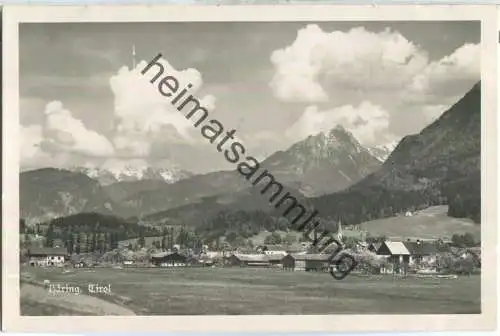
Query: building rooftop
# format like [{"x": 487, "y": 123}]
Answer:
[
  {"x": 311, "y": 256},
  {"x": 252, "y": 257},
  {"x": 396, "y": 248},
  {"x": 60, "y": 251},
  {"x": 422, "y": 247}
]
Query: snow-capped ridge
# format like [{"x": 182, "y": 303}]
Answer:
[
  {"x": 382, "y": 152},
  {"x": 110, "y": 175}
]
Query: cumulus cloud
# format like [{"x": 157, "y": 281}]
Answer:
[
  {"x": 60, "y": 139},
  {"x": 369, "y": 62},
  {"x": 141, "y": 114},
  {"x": 69, "y": 134},
  {"x": 371, "y": 82},
  {"x": 356, "y": 58},
  {"x": 367, "y": 122},
  {"x": 31, "y": 151},
  {"x": 447, "y": 78}
]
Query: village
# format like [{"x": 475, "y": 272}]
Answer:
[{"x": 374, "y": 255}]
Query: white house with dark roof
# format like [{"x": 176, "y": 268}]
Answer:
[{"x": 47, "y": 256}]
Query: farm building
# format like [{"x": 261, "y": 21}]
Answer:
[
  {"x": 248, "y": 260},
  {"x": 423, "y": 251},
  {"x": 275, "y": 259},
  {"x": 47, "y": 256},
  {"x": 214, "y": 254},
  {"x": 274, "y": 250},
  {"x": 129, "y": 263},
  {"x": 397, "y": 254},
  {"x": 307, "y": 262},
  {"x": 169, "y": 259}
]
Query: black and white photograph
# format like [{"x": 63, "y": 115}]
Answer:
[{"x": 240, "y": 166}]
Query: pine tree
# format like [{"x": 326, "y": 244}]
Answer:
[
  {"x": 70, "y": 241},
  {"x": 164, "y": 239},
  {"x": 49, "y": 238}
]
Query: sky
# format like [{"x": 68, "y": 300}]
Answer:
[{"x": 82, "y": 104}]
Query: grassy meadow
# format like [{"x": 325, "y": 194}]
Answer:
[
  {"x": 244, "y": 291},
  {"x": 430, "y": 223}
]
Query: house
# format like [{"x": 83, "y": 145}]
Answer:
[
  {"x": 248, "y": 260},
  {"x": 214, "y": 254},
  {"x": 423, "y": 251},
  {"x": 47, "y": 256},
  {"x": 129, "y": 263},
  {"x": 397, "y": 255},
  {"x": 274, "y": 250},
  {"x": 169, "y": 259},
  {"x": 307, "y": 262}
]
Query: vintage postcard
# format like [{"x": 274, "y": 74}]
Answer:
[{"x": 255, "y": 168}]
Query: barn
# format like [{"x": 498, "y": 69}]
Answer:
[
  {"x": 169, "y": 259},
  {"x": 307, "y": 262},
  {"x": 275, "y": 259},
  {"x": 248, "y": 260}
]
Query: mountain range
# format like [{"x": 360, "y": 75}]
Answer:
[
  {"x": 319, "y": 164},
  {"x": 332, "y": 170},
  {"x": 48, "y": 193},
  {"x": 323, "y": 163},
  {"x": 439, "y": 165},
  {"x": 131, "y": 173}
]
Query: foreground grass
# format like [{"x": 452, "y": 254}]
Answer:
[{"x": 242, "y": 291}]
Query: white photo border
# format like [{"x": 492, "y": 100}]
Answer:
[{"x": 13, "y": 15}]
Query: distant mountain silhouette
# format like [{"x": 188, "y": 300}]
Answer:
[
  {"x": 439, "y": 165},
  {"x": 323, "y": 163},
  {"x": 48, "y": 193}
]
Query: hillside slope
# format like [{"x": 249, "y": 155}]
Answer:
[
  {"x": 440, "y": 165},
  {"x": 431, "y": 223},
  {"x": 48, "y": 193}
]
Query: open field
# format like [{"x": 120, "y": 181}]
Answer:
[
  {"x": 247, "y": 291},
  {"x": 430, "y": 223}
]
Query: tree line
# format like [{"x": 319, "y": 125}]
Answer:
[{"x": 87, "y": 232}]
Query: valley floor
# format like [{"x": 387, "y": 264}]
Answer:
[{"x": 244, "y": 291}]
